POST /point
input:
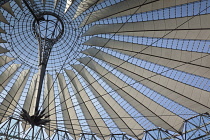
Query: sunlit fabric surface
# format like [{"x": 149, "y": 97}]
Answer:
[{"x": 120, "y": 67}]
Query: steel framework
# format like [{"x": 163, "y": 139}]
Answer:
[
  {"x": 104, "y": 69},
  {"x": 197, "y": 127}
]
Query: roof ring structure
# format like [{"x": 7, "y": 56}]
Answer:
[
  {"x": 104, "y": 69},
  {"x": 49, "y": 26}
]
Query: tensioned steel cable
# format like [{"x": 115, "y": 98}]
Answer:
[
  {"x": 96, "y": 54},
  {"x": 146, "y": 48},
  {"x": 89, "y": 61},
  {"x": 64, "y": 63}
]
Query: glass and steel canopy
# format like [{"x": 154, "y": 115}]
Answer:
[{"x": 104, "y": 69}]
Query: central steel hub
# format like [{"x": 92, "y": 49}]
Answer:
[{"x": 49, "y": 26}]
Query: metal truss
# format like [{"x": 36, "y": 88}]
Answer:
[
  {"x": 119, "y": 137},
  {"x": 61, "y": 135},
  {"x": 11, "y": 129},
  {"x": 86, "y": 136},
  {"x": 159, "y": 134},
  {"x": 194, "y": 128},
  {"x": 197, "y": 127}
]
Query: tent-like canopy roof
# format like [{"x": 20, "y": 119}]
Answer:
[{"x": 117, "y": 68}]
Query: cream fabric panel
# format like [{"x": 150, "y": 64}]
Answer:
[
  {"x": 32, "y": 1},
  {"x": 192, "y": 97},
  {"x": 84, "y": 5},
  {"x": 7, "y": 75},
  {"x": 129, "y": 7},
  {"x": 3, "y": 50},
  {"x": 97, "y": 126},
  {"x": 3, "y": 19},
  {"x": 5, "y": 59},
  {"x": 2, "y": 41},
  {"x": 56, "y": 3},
  {"x": 29, "y": 104},
  {"x": 177, "y": 34},
  {"x": 194, "y": 27},
  {"x": 143, "y": 104},
  {"x": 8, "y": 8},
  {"x": 9, "y": 103},
  {"x": 159, "y": 4},
  {"x": 111, "y": 10},
  {"x": 181, "y": 60},
  {"x": 19, "y": 3},
  {"x": 68, "y": 4},
  {"x": 125, "y": 122},
  {"x": 1, "y": 31},
  {"x": 49, "y": 104},
  {"x": 73, "y": 125}
]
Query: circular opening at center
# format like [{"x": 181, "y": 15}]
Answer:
[{"x": 48, "y": 26}]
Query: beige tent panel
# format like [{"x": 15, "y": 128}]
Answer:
[
  {"x": 49, "y": 104},
  {"x": 10, "y": 102},
  {"x": 129, "y": 7},
  {"x": 194, "y": 27},
  {"x": 192, "y": 97},
  {"x": 187, "y": 61},
  {"x": 68, "y": 111},
  {"x": 8, "y": 8},
  {"x": 7, "y": 75},
  {"x": 142, "y": 103},
  {"x": 98, "y": 125}
]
